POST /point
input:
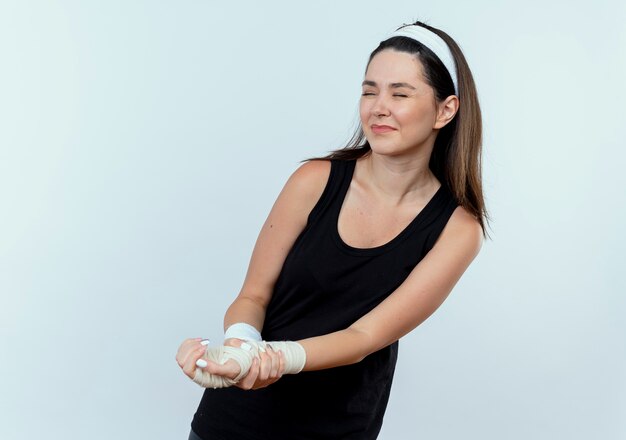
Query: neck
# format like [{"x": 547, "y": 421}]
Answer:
[{"x": 400, "y": 178}]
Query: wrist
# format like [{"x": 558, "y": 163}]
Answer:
[{"x": 243, "y": 331}]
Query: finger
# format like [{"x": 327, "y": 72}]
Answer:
[
  {"x": 186, "y": 345},
  {"x": 230, "y": 369},
  {"x": 281, "y": 363},
  {"x": 265, "y": 365},
  {"x": 190, "y": 340},
  {"x": 248, "y": 382},
  {"x": 270, "y": 356},
  {"x": 189, "y": 350},
  {"x": 275, "y": 363},
  {"x": 189, "y": 367}
]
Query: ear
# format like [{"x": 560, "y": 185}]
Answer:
[{"x": 446, "y": 111}]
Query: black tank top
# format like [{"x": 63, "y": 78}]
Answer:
[{"x": 325, "y": 285}]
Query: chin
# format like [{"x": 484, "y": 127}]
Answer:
[{"x": 386, "y": 149}]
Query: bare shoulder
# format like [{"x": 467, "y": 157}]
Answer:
[
  {"x": 286, "y": 220},
  {"x": 463, "y": 232},
  {"x": 310, "y": 179}
]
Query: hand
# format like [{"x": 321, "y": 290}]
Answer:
[
  {"x": 191, "y": 350},
  {"x": 264, "y": 371}
]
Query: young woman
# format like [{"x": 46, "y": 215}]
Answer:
[{"x": 359, "y": 249}]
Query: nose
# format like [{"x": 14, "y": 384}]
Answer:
[{"x": 380, "y": 106}]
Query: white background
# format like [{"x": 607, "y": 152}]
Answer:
[{"x": 142, "y": 144}]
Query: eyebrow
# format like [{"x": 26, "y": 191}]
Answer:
[{"x": 392, "y": 85}]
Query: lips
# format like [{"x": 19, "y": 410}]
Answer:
[{"x": 382, "y": 128}]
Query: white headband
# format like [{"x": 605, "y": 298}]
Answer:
[{"x": 435, "y": 43}]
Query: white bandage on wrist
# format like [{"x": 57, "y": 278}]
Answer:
[
  {"x": 295, "y": 358},
  {"x": 242, "y": 331}
]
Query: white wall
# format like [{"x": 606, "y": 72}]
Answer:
[{"x": 142, "y": 144}]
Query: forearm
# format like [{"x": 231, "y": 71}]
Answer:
[
  {"x": 245, "y": 309},
  {"x": 231, "y": 364},
  {"x": 343, "y": 347}
]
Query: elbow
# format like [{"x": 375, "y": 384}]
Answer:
[
  {"x": 258, "y": 298},
  {"x": 363, "y": 344}
]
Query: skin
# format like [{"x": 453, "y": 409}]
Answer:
[{"x": 388, "y": 188}]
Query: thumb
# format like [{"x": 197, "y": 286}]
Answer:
[{"x": 230, "y": 369}]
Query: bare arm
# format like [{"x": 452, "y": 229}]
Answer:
[
  {"x": 285, "y": 222},
  {"x": 424, "y": 290}
]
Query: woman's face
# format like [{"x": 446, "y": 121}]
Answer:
[{"x": 398, "y": 108}]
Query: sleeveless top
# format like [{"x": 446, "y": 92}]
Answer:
[{"x": 324, "y": 286}]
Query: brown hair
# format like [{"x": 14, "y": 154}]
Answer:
[{"x": 456, "y": 156}]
